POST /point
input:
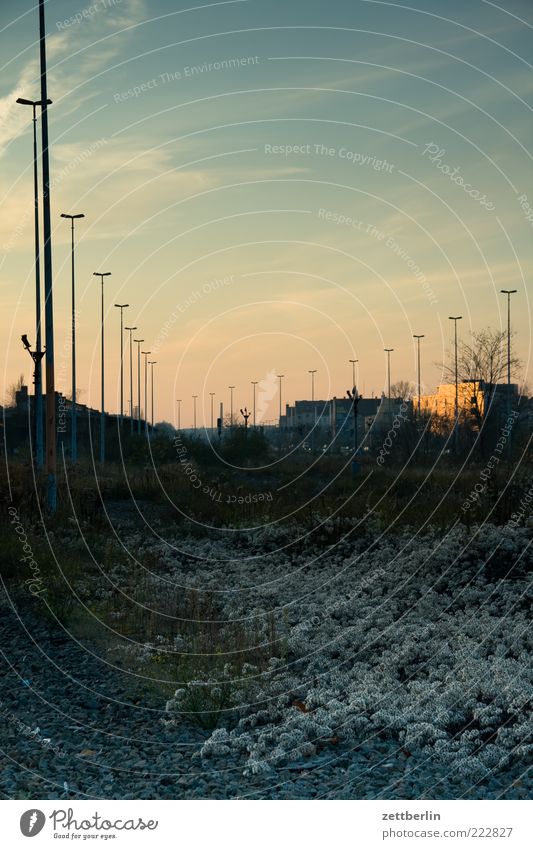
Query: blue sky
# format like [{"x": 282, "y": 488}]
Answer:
[{"x": 274, "y": 186}]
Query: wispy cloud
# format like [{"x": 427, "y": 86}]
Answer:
[{"x": 61, "y": 46}]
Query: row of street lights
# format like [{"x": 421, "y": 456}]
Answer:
[
  {"x": 147, "y": 363},
  {"x": 231, "y": 388},
  {"x": 39, "y": 353},
  {"x": 388, "y": 351}
]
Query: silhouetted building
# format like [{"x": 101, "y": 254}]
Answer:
[
  {"x": 19, "y": 417},
  {"x": 332, "y": 420}
]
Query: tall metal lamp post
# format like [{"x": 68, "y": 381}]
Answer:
[
  {"x": 418, "y": 337},
  {"x": 178, "y": 402},
  {"x": 73, "y": 427},
  {"x": 355, "y": 398},
  {"x": 35, "y": 355},
  {"x": 280, "y": 377},
  {"x": 388, "y": 351},
  {"x": 455, "y": 319},
  {"x": 152, "y": 363},
  {"x": 254, "y": 384},
  {"x": 121, "y": 307},
  {"x": 312, "y": 372},
  {"x": 51, "y": 434},
  {"x": 212, "y": 394},
  {"x": 131, "y": 329},
  {"x": 139, "y": 341},
  {"x": 508, "y": 292},
  {"x": 194, "y": 399},
  {"x": 231, "y": 388},
  {"x": 353, "y": 362},
  {"x": 38, "y": 380},
  {"x": 146, "y": 354},
  {"x": 101, "y": 275}
]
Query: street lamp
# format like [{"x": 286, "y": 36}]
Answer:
[
  {"x": 312, "y": 372},
  {"x": 178, "y": 401},
  {"x": 139, "y": 341},
  {"x": 355, "y": 398},
  {"x": 38, "y": 381},
  {"x": 455, "y": 319},
  {"x": 146, "y": 355},
  {"x": 51, "y": 433},
  {"x": 353, "y": 362},
  {"x": 212, "y": 394},
  {"x": 36, "y": 357},
  {"x": 121, "y": 307},
  {"x": 194, "y": 398},
  {"x": 388, "y": 351},
  {"x": 101, "y": 275},
  {"x": 280, "y": 376},
  {"x": 131, "y": 329},
  {"x": 418, "y": 337},
  {"x": 508, "y": 292},
  {"x": 152, "y": 363},
  {"x": 254, "y": 384},
  {"x": 231, "y": 388},
  {"x": 73, "y": 428}
]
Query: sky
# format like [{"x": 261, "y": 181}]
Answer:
[{"x": 275, "y": 187}]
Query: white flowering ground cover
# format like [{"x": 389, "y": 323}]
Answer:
[
  {"x": 418, "y": 644},
  {"x": 369, "y": 665}
]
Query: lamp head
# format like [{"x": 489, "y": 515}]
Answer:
[{"x": 26, "y": 102}]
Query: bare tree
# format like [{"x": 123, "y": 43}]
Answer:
[
  {"x": 11, "y": 394},
  {"x": 403, "y": 389},
  {"x": 79, "y": 395},
  {"x": 483, "y": 360},
  {"x": 483, "y": 363}
]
